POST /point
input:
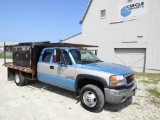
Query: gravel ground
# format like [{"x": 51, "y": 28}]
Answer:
[{"x": 39, "y": 101}]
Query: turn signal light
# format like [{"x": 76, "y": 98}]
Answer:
[{"x": 112, "y": 78}]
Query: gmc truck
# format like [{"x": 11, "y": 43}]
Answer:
[{"x": 72, "y": 67}]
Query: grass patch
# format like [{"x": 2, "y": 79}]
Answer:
[
  {"x": 145, "y": 81},
  {"x": 155, "y": 101},
  {"x": 7, "y": 57},
  {"x": 135, "y": 103},
  {"x": 154, "y": 96},
  {"x": 150, "y": 81},
  {"x": 153, "y": 79},
  {"x": 152, "y": 76},
  {"x": 154, "y": 92}
]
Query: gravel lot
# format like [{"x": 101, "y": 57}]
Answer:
[{"x": 39, "y": 101}]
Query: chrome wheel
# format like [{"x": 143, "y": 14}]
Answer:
[
  {"x": 90, "y": 98},
  {"x": 17, "y": 78}
]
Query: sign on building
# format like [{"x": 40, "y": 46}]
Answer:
[{"x": 133, "y": 9}]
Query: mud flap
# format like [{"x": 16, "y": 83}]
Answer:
[{"x": 10, "y": 74}]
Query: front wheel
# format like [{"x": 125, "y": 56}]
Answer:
[{"x": 92, "y": 98}]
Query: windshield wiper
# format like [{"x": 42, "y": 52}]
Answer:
[
  {"x": 86, "y": 62},
  {"x": 90, "y": 61},
  {"x": 97, "y": 61}
]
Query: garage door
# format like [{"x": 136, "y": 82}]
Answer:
[{"x": 133, "y": 58}]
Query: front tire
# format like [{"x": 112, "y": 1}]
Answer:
[
  {"x": 92, "y": 98},
  {"x": 18, "y": 79}
]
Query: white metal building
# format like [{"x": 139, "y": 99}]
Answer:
[{"x": 126, "y": 31}]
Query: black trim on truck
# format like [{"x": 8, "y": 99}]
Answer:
[
  {"x": 120, "y": 87},
  {"x": 85, "y": 76},
  {"x": 92, "y": 78}
]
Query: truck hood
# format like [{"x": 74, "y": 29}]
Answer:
[{"x": 111, "y": 68}]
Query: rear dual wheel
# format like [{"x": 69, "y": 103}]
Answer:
[{"x": 19, "y": 80}]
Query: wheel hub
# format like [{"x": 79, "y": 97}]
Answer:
[
  {"x": 17, "y": 79},
  {"x": 89, "y": 99}
]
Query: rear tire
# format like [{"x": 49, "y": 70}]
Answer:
[
  {"x": 19, "y": 80},
  {"x": 92, "y": 98}
]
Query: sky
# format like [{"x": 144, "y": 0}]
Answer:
[{"x": 40, "y": 20}]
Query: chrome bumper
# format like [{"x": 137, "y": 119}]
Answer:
[{"x": 115, "y": 96}]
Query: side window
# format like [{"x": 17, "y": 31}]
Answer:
[
  {"x": 63, "y": 56},
  {"x": 77, "y": 56},
  {"x": 47, "y": 55}
]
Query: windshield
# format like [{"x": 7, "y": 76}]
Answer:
[{"x": 84, "y": 56}]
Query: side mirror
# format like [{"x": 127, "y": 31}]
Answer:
[{"x": 63, "y": 63}]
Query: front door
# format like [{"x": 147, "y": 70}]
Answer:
[
  {"x": 66, "y": 71},
  {"x": 56, "y": 73}
]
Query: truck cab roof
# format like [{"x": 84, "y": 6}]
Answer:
[{"x": 64, "y": 48}]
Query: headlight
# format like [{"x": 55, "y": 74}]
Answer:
[{"x": 116, "y": 80}]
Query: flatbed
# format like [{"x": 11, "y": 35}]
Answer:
[{"x": 24, "y": 69}]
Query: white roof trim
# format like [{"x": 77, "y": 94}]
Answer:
[
  {"x": 86, "y": 11},
  {"x": 70, "y": 37}
]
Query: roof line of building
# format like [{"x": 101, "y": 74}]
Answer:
[
  {"x": 86, "y": 11},
  {"x": 70, "y": 37}
]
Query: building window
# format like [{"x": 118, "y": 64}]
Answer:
[{"x": 103, "y": 13}]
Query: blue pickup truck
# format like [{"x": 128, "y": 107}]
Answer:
[{"x": 73, "y": 68}]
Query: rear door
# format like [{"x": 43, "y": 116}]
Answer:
[{"x": 46, "y": 69}]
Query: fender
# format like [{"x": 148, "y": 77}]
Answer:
[{"x": 86, "y": 76}]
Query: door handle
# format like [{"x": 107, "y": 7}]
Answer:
[{"x": 51, "y": 67}]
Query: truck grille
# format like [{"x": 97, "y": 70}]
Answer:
[{"x": 130, "y": 78}]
